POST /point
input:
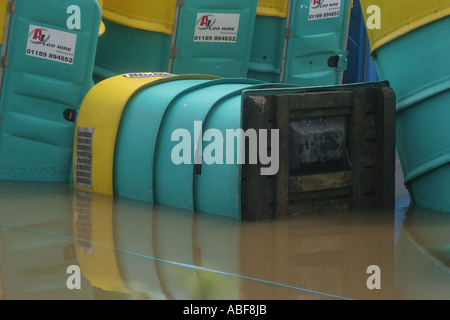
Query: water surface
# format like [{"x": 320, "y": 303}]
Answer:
[{"x": 134, "y": 250}]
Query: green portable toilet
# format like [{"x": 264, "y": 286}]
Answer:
[
  {"x": 46, "y": 70},
  {"x": 190, "y": 36},
  {"x": 300, "y": 42}
]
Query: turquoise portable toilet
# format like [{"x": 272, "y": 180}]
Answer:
[
  {"x": 107, "y": 161},
  {"x": 182, "y": 141},
  {"x": 213, "y": 37},
  {"x": 410, "y": 49},
  {"x": 302, "y": 42},
  {"x": 47, "y": 65},
  {"x": 268, "y": 40}
]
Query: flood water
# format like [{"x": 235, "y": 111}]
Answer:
[{"x": 53, "y": 238}]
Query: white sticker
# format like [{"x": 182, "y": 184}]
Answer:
[
  {"x": 216, "y": 27},
  {"x": 51, "y": 44},
  {"x": 83, "y": 161},
  {"x": 143, "y": 75},
  {"x": 324, "y": 9}
]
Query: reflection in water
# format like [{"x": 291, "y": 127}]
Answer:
[
  {"x": 423, "y": 256},
  {"x": 134, "y": 250}
]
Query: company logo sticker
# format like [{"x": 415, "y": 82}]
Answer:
[
  {"x": 217, "y": 27},
  {"x": 51, "y": 44},
  {"x": 39, "y": 36},
  {"x": 324, "y": 9},
  {"x": 205, "y": 22},
  {"x": 315, "y": 4}
]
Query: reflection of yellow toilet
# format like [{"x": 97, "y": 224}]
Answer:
[
  {"x": 95, "y": 250},
  {"x": 141, "y": 251}
]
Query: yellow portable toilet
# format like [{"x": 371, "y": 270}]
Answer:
[
  {"x": 102, "y": 24},
  {"x": 3, "y": 8},
  {"x": 137, "y": 37}
]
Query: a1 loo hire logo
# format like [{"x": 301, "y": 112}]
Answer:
[
  {"x": 316, "y": 3},
  {"x": 216, "y": 27},
  {"x": 51, "y": 44},
  {"x": 206, "y": 22},
  {"x": 39, "y": 36}
]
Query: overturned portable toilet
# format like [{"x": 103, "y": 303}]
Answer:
[
  {"x": 301, "y": 42},
  {"x": 411, "y": 52},
  {"x": 47, "y": 64},
  {"x": 222, "y": 145},
  {"x": 191, "y": 36}
]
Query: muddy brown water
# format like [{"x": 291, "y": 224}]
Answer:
[{"x": 56, "y": 243}]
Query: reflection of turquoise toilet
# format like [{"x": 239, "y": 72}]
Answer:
[
  {"x": 422, "y": 256},
  {"x": 411, "y": 51},
  {"x": 161, "y": 251}
]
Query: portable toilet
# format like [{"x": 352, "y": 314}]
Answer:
[
  {"x": 47, "y": 59},
  {"x": 300, "y": 42},
  {"x": 410, "y": 42},
  {"x": 181, "y": 141},
  {"x": 106, "y": 160},
  {"x": 190, "y": 36},
  {"x": 268, "y": 40},
  {"x": 137, "y": 37},
  {"x": 361, "y": 66}
]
